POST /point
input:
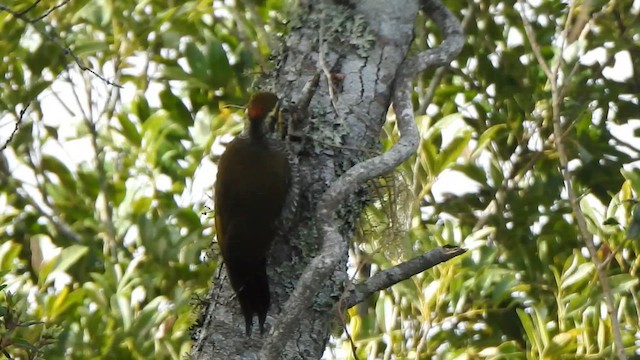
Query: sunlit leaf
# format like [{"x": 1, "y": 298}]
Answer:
[{"x": 485, "y": 139}]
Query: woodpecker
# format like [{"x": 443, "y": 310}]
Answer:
[{"x": 254, "y": 187}]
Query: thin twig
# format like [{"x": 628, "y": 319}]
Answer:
[
  {"x": 535, "y": 48},
  {"x": 322, "y": 64},
  {"x": 627, "y": 144},
  {"x": 64, "y": 230},
  {"x": 98, "y": 158},
  {"x": 587, "y": 237},
  {"x": 354, "y": 349},
  {"x": 62, "y": 103},
  {"x": 54, "y": 37},
  {"x": 29, "y": 8},
  {"x": 48, "y": 12},
  {"x": 16, "y": 128},
  {"x": 113, "y": 97},
  {"x": 76, "y": 97}
]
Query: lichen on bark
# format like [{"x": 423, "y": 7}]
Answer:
[{"x": 358, "y": 74}]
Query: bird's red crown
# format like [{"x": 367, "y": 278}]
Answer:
[{"x": 260, "y": 105}]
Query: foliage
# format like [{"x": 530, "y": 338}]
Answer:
[
  {"x": 100, "y": 207},
  {"x": 528, "y": 288},
  {"x": 28, "y": 338},
  {"x": 102, "y": 188}
]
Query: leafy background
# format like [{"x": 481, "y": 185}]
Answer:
[{"x": 103, "y": 189}]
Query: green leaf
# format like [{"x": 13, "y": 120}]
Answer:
[
  {"x": 449, "y": 155},
  {"x": 129, "y": 129},
  {"x": 445, "y": 122},
  {"x": 197, "y": 61},
  {"x": 69, "y": 256},
  {"x": 622, "y": 283},
  {"x": 54, "y": 165},
  {"x": 151, "y": 130},
  {"x": 529, "y": 328},
  {"x": 141, "y": 205},
  {"x": 154, "y": 124},
  {"x": 88, "y": 181},
  {"x": 149, "y": 316},
  {"x": 63, "y": 261},
  {"x": 576, "y": 302},
  {"x": 220, "y": 72},
  {"x": 175, "y": 73},
  {"x": 245, "y": 59},
  {"x": 125, "y": 283},
  {"x": 89, "y": 47},
  {"x": 582, "y": 274},
  {"x": 176, "y": 108},
  {"x": 428, "y": 155},
  {"x": 23, "y": 344},
  {"x": 485, "y": 139},
  {"x": 473, "y": 172},
  {"x": 561, "y": 344},
  {"x": 122, "y": 303},
  {"x": 67, "y": 300},
  {"x": 495, "y": 171},
  {"x": 189, "y": 219},
  {"x": 36, "y": 88},
  {"x": 9, "y": 252},
  {"x": 140, "y": 107}
]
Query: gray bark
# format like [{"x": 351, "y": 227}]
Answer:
[{"x": 361, "y": 53}]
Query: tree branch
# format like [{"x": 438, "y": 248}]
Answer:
[
  {"x": 110, "y": 246},
  {"x": 15, "y": 129},
  {"x": 403, "y": 271},
  {"x": 554, "y": 78},
  {"x": 443, "y": 54},
  {"x": 53, "y": 36},
  {"x": 428, "y": 95},
  {"x": 334, "y": 246}
]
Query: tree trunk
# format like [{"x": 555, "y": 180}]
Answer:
[{"x": 358, "y": 49}]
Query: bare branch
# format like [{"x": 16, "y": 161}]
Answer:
[
  {"x": 76, "y": 96},
  {"x": 48, "y": 12},
  {"x": 99, "y": 163},
  {"x": 15, "y": 129},
  {"x": 334, "y": 246},
  {"x": 535, "y": 47},
  {"x": 443, "y": 54},
  {"x": 29, "y": 8},
  {"x": 54, "y": 37},
  {"x": 403, "y": 271},
  {"x": 439, "y": 74}
]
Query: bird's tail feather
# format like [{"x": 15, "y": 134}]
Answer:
[{"x": 252, "y": 288}]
